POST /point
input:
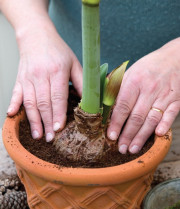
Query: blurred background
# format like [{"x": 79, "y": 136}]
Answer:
[{"x": 9, "y": 58}]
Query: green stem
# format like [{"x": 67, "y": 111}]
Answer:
[
  {"x": 106, "y": 113},
  {"x": 103, "y": 73},
  {"x": 91, "y": 58}
]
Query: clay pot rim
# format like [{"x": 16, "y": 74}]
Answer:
[{"x": 81, "y": 176}]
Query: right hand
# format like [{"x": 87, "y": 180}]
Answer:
[{"x": 46, "y": 66}]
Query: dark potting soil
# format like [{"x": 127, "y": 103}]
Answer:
[{"x": 47, "y": 152}]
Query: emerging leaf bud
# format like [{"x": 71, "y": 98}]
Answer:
[{"x": 113, "y": 83}]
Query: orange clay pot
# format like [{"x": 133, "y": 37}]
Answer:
[{"x": 51, "y": 187}]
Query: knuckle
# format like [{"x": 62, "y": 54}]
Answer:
[
  {"x": 173, "y": 112},
  {"x": 115, "y": 125},
  {"x": 135, "y": 81},
  {"x": 39, "y": 70},
  {"x": 165, "y": 92},
  {"x": 137, "y": 119},
  {"x": 153, "y": 87},
  {"x": 43, "y": 105},
  {"x": 36, "y": 71},
  {"x": 165, "y": 123},
  {"x": 29, "y": 104},
  {"x": 154, "y": 120},
  {"x": 47, "y": 123},
  {"x": 33, "y": 122},
  {"x": 123, "y": 108},
  {"x": 127, "y": 137},
  {"x": 58, "y": 97},
  {"x": 55, "y": 68}
]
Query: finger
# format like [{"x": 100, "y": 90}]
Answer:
[
  {"x": 43, "y": 98},
  {"x": 32, "y": 112},
  {"x": 77, "y": 76},
  {"x": 59, "y": 96},
  {"x": 125, "y": 102},
  {"x": 135, "y": 122},
  {"x": 152, "y": 120},
  {"x": 168, "y": 118},
  {"x": 16, "y": 100},
  {"x": 146, "y": 130}
]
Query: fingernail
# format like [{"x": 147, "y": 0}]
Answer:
[
  {"x": 113, "y": 136},
  {"x": 49, "y": 137},
  {"x": 123, "y": 149},
  {"x": 134, "y": 149},
  {"x": 56, "y": 126},
  {"x": 9, "y": 110},
  {"x": 161, "y": 131},
  {"x": 35, "y": 134}
]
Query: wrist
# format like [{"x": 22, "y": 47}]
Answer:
[
  {"x": 172, "y": 50},
  {"x": 33, "y": 29}
]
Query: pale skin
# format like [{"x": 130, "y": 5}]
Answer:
[{"x": 47, "y": 64}]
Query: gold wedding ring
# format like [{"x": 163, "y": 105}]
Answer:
[{"x": 156, "y": 109}]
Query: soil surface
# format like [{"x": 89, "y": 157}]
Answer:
[{"x": 47, "y": 152}]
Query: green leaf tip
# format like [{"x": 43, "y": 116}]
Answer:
[
  {"x": 113, "y": 83},
  {"x": 104, "y": 66}
]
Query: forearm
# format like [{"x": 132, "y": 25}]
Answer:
[{"x": 24, "y": 15}]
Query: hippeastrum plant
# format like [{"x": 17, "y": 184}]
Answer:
[{"x": 84, "y": 139}]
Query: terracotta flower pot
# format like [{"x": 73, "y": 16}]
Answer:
[{"x": 51, "y": 187}]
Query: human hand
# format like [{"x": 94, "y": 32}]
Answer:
[
  {"x": 149, "y": 98},
  {"x": 46, "y": 65}
]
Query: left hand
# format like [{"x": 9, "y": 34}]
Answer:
[{"x": 149, "y": 98}]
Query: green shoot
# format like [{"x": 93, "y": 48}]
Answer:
[
  {"x": 106, "y": 113},
  {"x": 91, "y": 56},
  {"x": 103, "y": 73},
  {"x": 113, "y": 83},
  {"x": 111, "y": 89}
]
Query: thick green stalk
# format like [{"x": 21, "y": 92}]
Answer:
[{"x": 91, "y": 58}]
